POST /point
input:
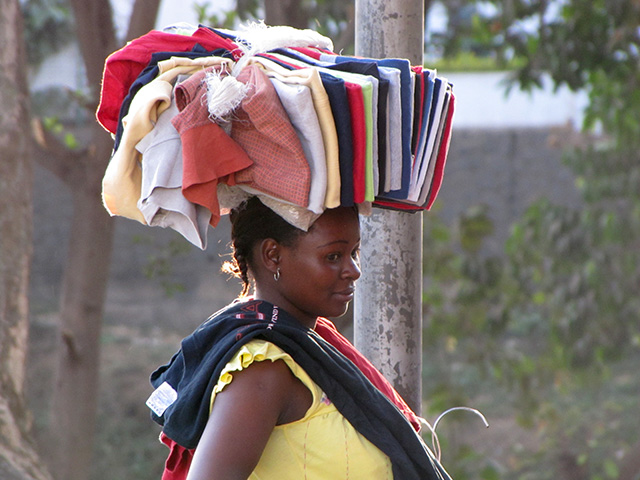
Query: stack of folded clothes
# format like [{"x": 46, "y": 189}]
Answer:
[{"x": 202, "y": 118}]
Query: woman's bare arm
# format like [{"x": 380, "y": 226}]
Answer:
[{"x": 241, "y": 421}]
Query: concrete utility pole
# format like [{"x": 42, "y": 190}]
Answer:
[{"x": 388, "y": 306}]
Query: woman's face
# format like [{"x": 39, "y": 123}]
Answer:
[{"x": 318, "y": 273}]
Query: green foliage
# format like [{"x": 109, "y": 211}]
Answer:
[
  {"x": 463, "y": 307},
  {"x": 328, "y": 17},
  {"x": 557, "y": 321},
  {"x": 55, "y": 126},
  {"x": 48, "y": 27},
  {"x": 590, "y": 45},
  {"x": 552, "y": 328},
  {"x": 226, "y": 19},
  {"x": 586, "y": 262},
  {"x": 583, "y": 44},
  {"x": 160, "y": 261},
  {"x": 471, "y": 62},
  {"x": 584, "y": 429}
]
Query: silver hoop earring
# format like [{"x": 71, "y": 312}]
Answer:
[{"x": 276, "y": 276}]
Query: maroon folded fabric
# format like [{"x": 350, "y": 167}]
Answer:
[{"x": 263, "y": 129}]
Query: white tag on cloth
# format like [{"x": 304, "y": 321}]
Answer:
[{"x": 162, "y": 398}]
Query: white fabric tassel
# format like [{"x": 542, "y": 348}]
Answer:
[
  {"x": 262, "y": 38},
  {"x": 224, "y": 94}
]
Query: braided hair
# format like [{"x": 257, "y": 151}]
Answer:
[{"x": 252, "y": 222}]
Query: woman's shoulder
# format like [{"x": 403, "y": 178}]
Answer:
[
  {"x": 262, "y": 356},
  {"x": 262, "y": 369}
]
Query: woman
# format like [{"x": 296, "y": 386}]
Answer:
[{"x": 260, "y": 392}]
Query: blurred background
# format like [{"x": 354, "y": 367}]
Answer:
[{"x": 531, "y": 252}]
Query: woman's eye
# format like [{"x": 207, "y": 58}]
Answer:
[
  {"x": 356, "y": 254},
  {"x": 332, "y": 257}
]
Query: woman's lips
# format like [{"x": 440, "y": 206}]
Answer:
[{"x": 345, "y": 295}]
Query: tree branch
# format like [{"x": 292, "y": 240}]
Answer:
[
  {"x": 72, "y": 346},
  {"x": 142, "y": 18},
  {"x": 96, "y": 37},
  {"x": 53, "y": 155}
]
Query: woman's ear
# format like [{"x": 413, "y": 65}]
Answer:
[{"x": 270, "y": 251}]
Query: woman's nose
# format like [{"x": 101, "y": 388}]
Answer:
[{"x": 352, "y": 269}]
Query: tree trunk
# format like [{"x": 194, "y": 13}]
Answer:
[
  {"x": 75, "y": 394},
  {"x": 18, "y": 459},
  {"x": 142, "y": 18},
  {"x": 75, "y": 391},
  {"x": 286, "y": 12}
]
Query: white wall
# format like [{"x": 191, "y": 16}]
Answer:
[{"x": 482, "y": 102}]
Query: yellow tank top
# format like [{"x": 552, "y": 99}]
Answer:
[{"x": 320, "y": 446}]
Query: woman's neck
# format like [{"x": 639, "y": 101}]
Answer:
[{"x": 305, "y": 319}]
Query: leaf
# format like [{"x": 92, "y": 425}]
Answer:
[
  {"x": 70, "y": 141},
  {"x": 539, "y": 298},
  {"x": 611, "y": 469},
  {"x": 490, "y": 473}
]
